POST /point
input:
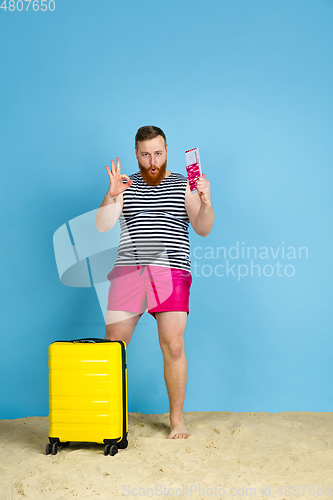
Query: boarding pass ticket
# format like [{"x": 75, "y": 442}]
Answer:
[{"x": 193, "y": 168}]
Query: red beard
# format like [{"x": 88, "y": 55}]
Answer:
[{"x": 153, "y": 179}]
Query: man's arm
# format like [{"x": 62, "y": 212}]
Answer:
[
  {"x": 112, "y": 205},
  {"x": 109, "y": 211},
  {"x": 199, "y": 207}
]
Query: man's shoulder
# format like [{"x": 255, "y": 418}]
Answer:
[
  {"x": 179, "y": 177},
  {"x": 135, "y": 175}
]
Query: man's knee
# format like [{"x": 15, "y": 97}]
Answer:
[
  {"x": 118, "y": 332},
  {"x": 173, "y": 349}
]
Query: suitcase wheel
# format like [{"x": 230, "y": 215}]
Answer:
[
  {"x": 48, "y": 449},
  {"x": 51, "y": 448},
  {"x": 122, "y": 444},
  {"x": 113, "y": 450},
  {"x": 110, "y": 449},
  {"x": 54, "y": 448}
]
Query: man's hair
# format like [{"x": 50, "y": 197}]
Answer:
[{"x": 148, "y": 132}]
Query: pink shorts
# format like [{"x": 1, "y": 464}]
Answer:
[{"x": 156, "y": 288}]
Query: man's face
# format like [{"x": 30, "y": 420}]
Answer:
[{"x": 152, "y": 157}]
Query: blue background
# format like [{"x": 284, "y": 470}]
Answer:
[{"x": 249, "y": 83}]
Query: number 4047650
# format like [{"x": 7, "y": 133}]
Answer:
[{"x": 20, "y": 5}]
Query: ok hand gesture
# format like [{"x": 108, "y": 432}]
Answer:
[{"x": 117, "y": 185}]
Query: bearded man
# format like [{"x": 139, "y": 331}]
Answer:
[{"x": 152, "y": 270}]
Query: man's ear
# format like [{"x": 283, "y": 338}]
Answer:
[
  {"x": 166, "y": 149},
  {"x": 136, "y": 153}
]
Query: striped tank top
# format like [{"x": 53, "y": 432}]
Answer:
[{"x": 154, "y": 224}]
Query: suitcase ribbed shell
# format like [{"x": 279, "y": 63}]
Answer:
[{"x": 86, "y": 391}]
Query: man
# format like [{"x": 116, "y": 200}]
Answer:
[{"x": 152, "y": 269}]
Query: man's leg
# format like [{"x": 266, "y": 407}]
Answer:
[
  {"x": 120, "y": 325},
  {"x": 171, "y": 328}
]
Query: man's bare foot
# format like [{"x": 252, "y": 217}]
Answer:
[{"x": 178, "y": 431}]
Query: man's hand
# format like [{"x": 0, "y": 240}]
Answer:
[
  {"x": 203, "y": 188},
  {"x": 117, "y": 185},
  {"x": 199, "y": 207}
]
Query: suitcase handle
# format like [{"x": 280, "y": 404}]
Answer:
[{"x": 88, "y": 341}]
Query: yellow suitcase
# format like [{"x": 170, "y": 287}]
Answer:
[{"x": 88, "y": 394}]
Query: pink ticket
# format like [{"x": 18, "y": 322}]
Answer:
[{"x": 193, "y": 168}]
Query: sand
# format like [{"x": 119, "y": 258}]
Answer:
[{"x": 228, "y": 455}]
